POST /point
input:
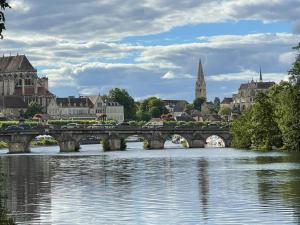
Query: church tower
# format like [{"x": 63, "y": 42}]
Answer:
[{"x": 200, "y": 90}]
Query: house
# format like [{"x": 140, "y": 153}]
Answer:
[
  {"x": 226, "y": 103},
  {"x": 85, "y": 107},
  {"x": 175, "y": 107},
  {"x": 12, "y": 106},
  {"x": 70, "y": 107}
]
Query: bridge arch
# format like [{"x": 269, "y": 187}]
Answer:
[
  {"x": 177, "y": 140},
  {"x": 215, "y": 141},
  {"x": 218, "y": 140}
]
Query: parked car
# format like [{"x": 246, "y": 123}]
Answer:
[
  {"x": 123, "y": 124},
  {"x": 100, "y": 125},
  {"x": 70, "y": 126},
  {"x": 43, "y": 126},
  {"x": 14, "y": 127},
  {"x": 25, "y": 126},
  {"x": 96, "y": 126}
]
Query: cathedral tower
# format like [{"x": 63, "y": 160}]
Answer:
[{"x": 200, "y": 90}]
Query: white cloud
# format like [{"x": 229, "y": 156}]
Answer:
[
  {"x": 171, "y": 75},
  {"x": 248, "y": 75}
]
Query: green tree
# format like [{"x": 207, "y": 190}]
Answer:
[
  {"x": 241, "y": 130},
  {"x": 152, "y": 107},
  {"x": 225, "y": 111},
  {"x": 294, "y": 72},
  {"x": 123, "y": 98},
  {"x": 217, "y": 103},
  {"x": 285, "y": 99},
  {"x": 3, "y": 6},
  {"x": 265, "y": 131},
  {"x": 32, "y": 109},
  {"x": 198, "y": 102}
]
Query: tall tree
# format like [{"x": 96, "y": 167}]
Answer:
[
  {"x": 123, "y": 98},
  {"x": 265, "y": 131},
  {"x": 3, "y": 6},
  {"x": 198, "y": 102},
  {"x": 286, "y": 102},
  {"x": 241, "y": 130},
  {"x": 294, "y": 72}
]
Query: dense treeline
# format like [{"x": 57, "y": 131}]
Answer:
[{"x": 274, "y": 119}]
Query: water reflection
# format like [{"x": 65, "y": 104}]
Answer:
[
  {"x": 149, "y": 187},
  {"x": 280, "y": 187},
  {"x": 203, "y": 181}
]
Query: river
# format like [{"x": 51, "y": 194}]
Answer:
[{"x": 137, "y": 187}]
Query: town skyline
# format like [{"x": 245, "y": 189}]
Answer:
[{"x": 156, "y": 56}]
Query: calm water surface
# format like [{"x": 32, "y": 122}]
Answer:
[{"x": 171, "y": 186}]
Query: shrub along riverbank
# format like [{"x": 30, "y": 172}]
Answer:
[{"x": 274, "y": 120}]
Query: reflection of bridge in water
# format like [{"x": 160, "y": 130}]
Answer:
[{"x": 69, "y": 139}]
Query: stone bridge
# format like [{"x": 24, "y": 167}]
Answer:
[{"x": 69, "y": 139}]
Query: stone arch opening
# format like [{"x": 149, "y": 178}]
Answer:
[
  {"x": 176, "y": 141},
  {"x": 215, "y": 141},
  {"x": 44, "y": 142},
  {"x": 135, "y": 142},
  {"x": 90, "y": 142}
]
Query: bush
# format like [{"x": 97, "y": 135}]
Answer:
[
  {"x": 44, "y": 142},
  {"x": 146, "y": 144},
  {"x": 105, "y": 144},
  {"x": 123, "y": 144},
  {"x": 3, "y": 144}
]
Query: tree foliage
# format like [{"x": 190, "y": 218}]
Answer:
[
  {"x": 274, "y": 120},
  {"x": 225, "y": 111},
  {"x": 198, "y": 102},
  {"x": 294, "y": 72},
  {"x": 241, "y": 130},
  {"x": 151, "y": 108},
  {"x": 264, "y": 130},
  {"x": 3, "y": 6},
  {"x": 32, "y": 109},
  {"x": 123, "y": 98}
]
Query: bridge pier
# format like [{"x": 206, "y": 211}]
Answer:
[
  {"x": 155, "y": 144},
  {"x": 196, "y": 144},
  {"x": 114, "y": 144},
  {"x": 69, "y": 146},
  {"x": 19, "y": 144},
  {"x": 15, "y": 147}
]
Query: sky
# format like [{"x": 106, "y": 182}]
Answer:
[{"x": 152, "y": 47}]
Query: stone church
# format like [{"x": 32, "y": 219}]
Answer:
[
  {"x": 19, "y": 78},
  {"x": 247, "y": 91},
  {"x": 200, "y": 90}
]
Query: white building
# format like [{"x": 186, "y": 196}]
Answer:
[{"x": 85, "y": 107}]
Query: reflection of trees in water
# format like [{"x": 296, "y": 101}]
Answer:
[
  {"x": 282, "y": 185},
  {"x": 203, "y": 181},
  {"x": 28, "y": 178},
  {"x": 4, "y": 218}
]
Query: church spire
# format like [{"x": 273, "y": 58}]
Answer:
[
  {"x": 260, "y": 75},
  {"x": 200, "y": 83}
]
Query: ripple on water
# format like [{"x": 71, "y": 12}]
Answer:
[{"x": 173, "y": 186}]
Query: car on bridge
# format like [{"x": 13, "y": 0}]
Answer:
[
  {"x": 43, "y": 126},
  {"x": 70, "y": 126},
  {"x": 100, "y": 126},
  {"x": 25, "y": 126},
  {"x": 14, "y": 127}
]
